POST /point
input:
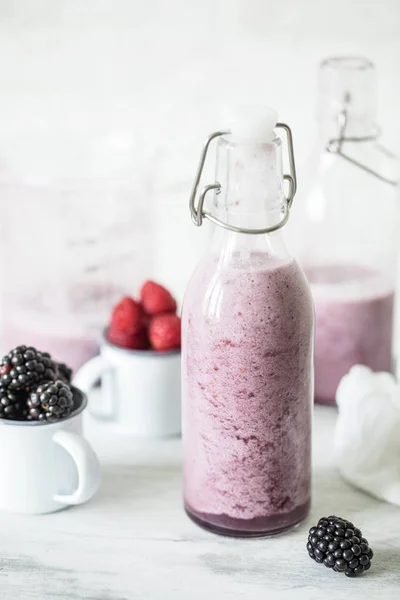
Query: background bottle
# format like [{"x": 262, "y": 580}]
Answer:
[{"x": 344, "y": 228}]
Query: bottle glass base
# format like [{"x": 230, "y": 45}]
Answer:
[{"x": 249, "y": 528}]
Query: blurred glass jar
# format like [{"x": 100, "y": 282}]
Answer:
[
  {"x": 346, "y": 223},
  {"x": 70, "y": 246}
]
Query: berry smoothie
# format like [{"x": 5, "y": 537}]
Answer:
[
  {"x": 247, "y": 396},
  {"x": 354, "y": 324}
]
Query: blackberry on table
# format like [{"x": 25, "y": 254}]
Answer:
[
  {"x": 340, "y": 546},
  {"x": 24, "y": 367},
  {"x": 12, "y": 404},
  {"x": 50, "y": 401},
  {"x": 64, "y": 372}
]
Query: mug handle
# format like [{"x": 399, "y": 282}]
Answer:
[
  {"x": 87, "y": 464},
  {"x": 87, "y": 376}
]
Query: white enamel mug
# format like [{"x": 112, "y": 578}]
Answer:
[
  {"x": 46, "y": 467},
  {"x": 140, "y": 389}
]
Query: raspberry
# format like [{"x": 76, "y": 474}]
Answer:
[
  {"x": 127, "y": 316},
  {"x": 165, "y": 332},
  {"x": 126, "y": 339},
  {"x": 156, "y": 299}
]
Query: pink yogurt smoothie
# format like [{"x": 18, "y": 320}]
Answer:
[
  {"x": 354, "y": 324},
  {"x": 247, "y": 396}
]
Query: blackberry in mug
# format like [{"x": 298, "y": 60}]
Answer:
[
  {"x": 25, "y": 366},
  {"x": 11, "y": 404},
  {"x": 50, "y": 401}
]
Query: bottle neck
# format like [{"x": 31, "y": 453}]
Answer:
[
  {"x": 250, "y": 175},
  {"x": 248, "y": 250},
  {"x": 347, "y": 89},
  {"x": 251, "y": 196}
]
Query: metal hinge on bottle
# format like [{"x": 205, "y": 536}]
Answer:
[
  {"x": 335, "y": 145},
  {"x": 198, "y": 213}
]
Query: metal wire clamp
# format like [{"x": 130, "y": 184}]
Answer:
[
  {"x": 335, "y": 145},
  {"x": 198, "y": 213}
]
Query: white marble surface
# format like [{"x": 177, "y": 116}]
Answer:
[{"x": 133, "y": 541}]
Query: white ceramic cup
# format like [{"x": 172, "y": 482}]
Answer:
[
  {"x": 141, "y": 389},
  {"x": 46, "y": 466}
]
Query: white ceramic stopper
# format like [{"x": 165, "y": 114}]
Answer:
[{"x": 251, "y": 123}]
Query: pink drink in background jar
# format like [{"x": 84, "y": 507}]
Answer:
[{"x": 354, "y": 323}]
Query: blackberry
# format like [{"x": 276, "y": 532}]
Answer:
[
  {"x": 12, "y": 404},
  {"x": 24, "y": 367},
  {"x": 340, "y": 546},
  {"x": 64, "y": 372},
  {"x": 50, "y": 401}
]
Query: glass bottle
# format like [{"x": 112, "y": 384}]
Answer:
[
  {"x": 346, "y": 222},
  {"x": 247, "y": 346},
  {"x": 70, "y": 237}
]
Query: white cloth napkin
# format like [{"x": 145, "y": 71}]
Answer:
[{"x": 367, "y": 435}]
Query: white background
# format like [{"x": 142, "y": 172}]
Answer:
[{"x": 151, "y": 77}]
